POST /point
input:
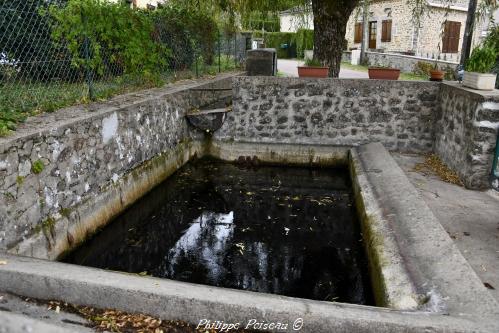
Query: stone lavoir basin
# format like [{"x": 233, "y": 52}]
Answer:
[
  {"x": 282, "y": 230},
  {"x": 288, "y": 209}
]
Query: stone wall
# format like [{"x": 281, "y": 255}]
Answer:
[
  {"x": 57, "y": 161},
  {"x": 405, "y": 63},
  {"x": 466, "y": 132},
  {"x": 400, "y": 114}
]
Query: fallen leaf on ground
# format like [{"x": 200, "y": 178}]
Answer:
[{"x": 433, "y": 164}]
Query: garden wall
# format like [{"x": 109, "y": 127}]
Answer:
[
  {"x": 406, "y": 63},
  {"x": 400, "y": 114},
  {"x": 56, "y": 162},
  {"x": 466, "y": 132}
]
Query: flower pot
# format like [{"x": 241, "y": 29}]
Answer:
[
  {"x": 479, "y": 81},
  {"x": 376, "y": 73},
  {"x": 305, "y": 71},
  {"x": 437, "y": 75}
]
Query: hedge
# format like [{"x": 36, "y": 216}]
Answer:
[
  {"x": 304, "y": 41},
  {"x": 296, "y": 43}
]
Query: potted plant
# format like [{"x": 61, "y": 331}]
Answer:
[
  {"x": 477, "y": 72},
  {"x": 313, "y": 68},
  {"x": 437, "y": 74},
  {"x": 383, "y": 73}
]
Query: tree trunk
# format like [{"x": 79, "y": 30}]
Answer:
[
  {"x": 365, "y": 33},
  {"x": 468, "y": 32},
  {"x": 330, "y": 24}
]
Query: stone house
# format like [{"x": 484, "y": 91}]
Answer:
[
  {"x": 392, "y": 28},
  {"x": 295, "y": 18}
]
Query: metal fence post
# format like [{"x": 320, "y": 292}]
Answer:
[
  {"x": 88, "y": 69},
  {"x": 219, "y": 61},
  {"x": 235, "y": 50},
  {"x": 197, "y": 69}
]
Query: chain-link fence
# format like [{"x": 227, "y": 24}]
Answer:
[{"x": 56, "y": 53}]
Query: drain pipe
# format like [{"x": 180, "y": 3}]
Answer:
[{"x": 494, "y": 176}]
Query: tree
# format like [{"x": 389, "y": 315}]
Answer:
[
  {"x": 330, "y": 23},
  {"x": 330, "y": 20}
]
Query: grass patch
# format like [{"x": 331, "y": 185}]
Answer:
[{"x": 20, "y": 100}]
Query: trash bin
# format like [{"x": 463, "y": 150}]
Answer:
[{"x": 261, "y": 62}]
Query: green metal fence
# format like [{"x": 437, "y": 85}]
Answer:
[{"x": 40, "y": 72}]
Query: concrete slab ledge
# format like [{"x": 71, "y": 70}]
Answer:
[
  {"x": 191, "y": 302},
  {"x": 401, "y": 227}
]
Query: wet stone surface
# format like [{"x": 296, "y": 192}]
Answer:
[{"x": 282, "y": 230}]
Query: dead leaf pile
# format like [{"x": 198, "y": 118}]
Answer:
[
  {"x": 433, "y": 164},
  {"x": 122, "y": 322}
]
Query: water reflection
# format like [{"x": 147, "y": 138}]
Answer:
[{"x": 289, "y": 231}]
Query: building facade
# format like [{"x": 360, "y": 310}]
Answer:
[{"x": 392, "y": 28}]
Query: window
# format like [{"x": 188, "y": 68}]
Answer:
[
  {"x": 373, "y": 34},
  {"x": 386, "y": 31},
  {"x": 450, "y": 39},
  {"x": 358, "y": 33}
]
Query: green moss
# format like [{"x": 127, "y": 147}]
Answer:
[
  {"x": 65, "y": 212},
  {"x": 48, "y": 227},
  {"x": 37, "y": 167},
  {"x": 9, "y": 195},
  {"x": 19, "y": 180}
]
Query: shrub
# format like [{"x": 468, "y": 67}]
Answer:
[
  {"x": 304, "y": 40},
  {"x": 283, "y": 42},
  {"x": 25, "y": 36},
  {"x": 482, "y": 60},
  {"x": 311, "y": 62},
  {"x": 423, "y": 68},
  {"x": 186, "y": 33},
  {"x": 119, "y": 39},
  {"x": 492, "y": 40}
]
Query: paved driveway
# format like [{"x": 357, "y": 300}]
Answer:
[{"x": 288, "y": 67}]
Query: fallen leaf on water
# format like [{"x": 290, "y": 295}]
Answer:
[
  {"x": 489, "y": 286},
  {"x": 240, "y": 246},
  {"x": 3, "y": 262}
]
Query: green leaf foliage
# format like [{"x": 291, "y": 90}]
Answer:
[
  {"x": 482, "y": 59},
  {"x": 109, "y": 38}
]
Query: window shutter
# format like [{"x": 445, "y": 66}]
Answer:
[
  {"x": 386, "y": 31},
  {"x": 455, "y": 36},
  {"x": 358, "y": 33},
  {"x": 450, "y": 39}
]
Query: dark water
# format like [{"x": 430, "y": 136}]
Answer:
[{"x": 282, "y": 230}]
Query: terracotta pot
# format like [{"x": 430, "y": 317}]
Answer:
[
  {"x": 437, "y": 75},
  {"x": 377, "y": 73},
  {"x": 304, "y": 71}
]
